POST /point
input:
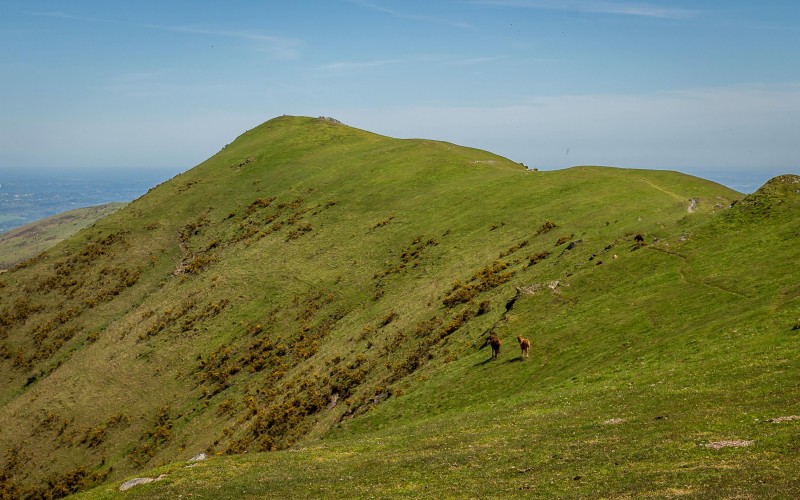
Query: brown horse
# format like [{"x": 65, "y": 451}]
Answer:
[
  {"x": 495, "y": 343},
  {"x": 525, "y": 345}
]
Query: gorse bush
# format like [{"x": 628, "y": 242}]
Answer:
[
  {"x": 388, "y": 318},
  {"x": 218, "y": 368},
  {"x": 410, "y": 257},
  {"x": 513, "y": 249},
  {"x": 383, "y": 222},
  {"x": 485, "y": 279},
  {"x": 546, "y": 227},
  {"x": 458, "y": 321},
  {"x": 536, "y": 258},
  {"x": 70, "y": 482},
  {"x": 563, "y": 239},
  {"x": 155, "y": 436}
]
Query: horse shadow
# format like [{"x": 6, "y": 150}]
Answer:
[{"x": 512, "y": 360}]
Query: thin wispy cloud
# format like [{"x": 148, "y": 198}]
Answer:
[
  {"x": 61, "y": 15},
  {"x": 405, "y": 15},
  {"x": 277, "y": 46},
  {"x": 597, "y": 7},
  {"x": 243, "y": 35},
  {"x": 355, "y": 65},
  {"x": 473, "y": 61},
  {"x": 415, "y": 59},
  {"x": 141, "y": 76}
]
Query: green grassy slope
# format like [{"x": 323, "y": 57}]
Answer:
[
  {"x": 318, "y": 287},
  {"x": 642, "y": 369},
  {"x": 25, "y": 242}
]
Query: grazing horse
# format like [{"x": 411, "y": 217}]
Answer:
[
  {"x": 525, "y": 345},
  {"x": 495, "y": 343}
]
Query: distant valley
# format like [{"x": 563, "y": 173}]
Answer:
[
  {"x": 25, "y": 242},
  {"x": 29, "y": 195}
]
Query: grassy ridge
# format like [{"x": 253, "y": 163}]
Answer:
[{"x": 322, "y": 288}]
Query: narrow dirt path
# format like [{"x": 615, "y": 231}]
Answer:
[
  {"x": 676, "y": 196},
  {"x": 691, "y": 281},
  {"x": 692, "y": 201}
]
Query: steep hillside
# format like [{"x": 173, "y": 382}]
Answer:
[
  {"x": 668, "y": 371},
  {"x": 323, "y": 288},
  {"x": 27, "y": 241}
]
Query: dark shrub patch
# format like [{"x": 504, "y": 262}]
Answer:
[
  {"x": 388, "y": 318},
  {"x": 485, "y": 279},
  {"x": 546, "y": 227},
  {"x": 513, "y": 249},
  {"x": 535, "y": 259},
  {"x": 563, "y": 239}
]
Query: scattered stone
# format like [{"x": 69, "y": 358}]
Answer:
[
  {"x": 241, "y": 163},
  {"x": 334, "y": 399},
  {"x": 198, "y": 458},
  {"x": 532, "y": 289},
  {"x": 140, "y": 480},
  {"x": 614, "y": 421},
  {"x": 378, "y": 398},
  {"x": 736, "y": 443},
  {"x": 784, "y": 419}
]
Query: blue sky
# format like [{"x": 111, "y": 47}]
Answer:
[{"x": 696, "y": 86}]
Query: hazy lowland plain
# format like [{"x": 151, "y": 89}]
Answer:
[
  {"x": 24, "y": 242},
  {"x": 309, "y": 308}
]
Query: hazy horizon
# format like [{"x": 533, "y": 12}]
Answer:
[
  {"x": 30, "y": 195},
  {"x": 27, "y": 195}
]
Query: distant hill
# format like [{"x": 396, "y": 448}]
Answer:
[
  {"x": 26, "y": 241},
  {"x": 325, "y": 295}
]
